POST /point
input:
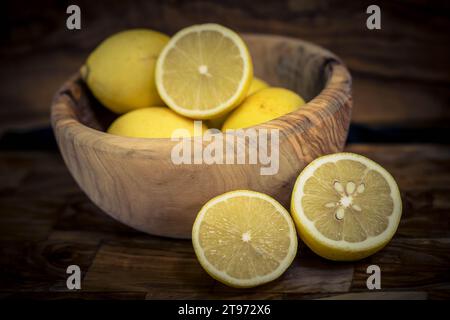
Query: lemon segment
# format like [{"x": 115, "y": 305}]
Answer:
[
  {"x": 154, "y": 122},
  {"x": 204, "y": 71},
  {"x": 346, "y": 206},
  {"x": 263, "y": 106},
  {"x": 120, "y": 72},
  {"x": 244, "y": 238}
]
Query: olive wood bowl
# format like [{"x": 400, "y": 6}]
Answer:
[{"x": 134, "y": 179}]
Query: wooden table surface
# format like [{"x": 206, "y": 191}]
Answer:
[
  {"x": 400, "y": 80},
  {"x": 57, "y": 225}
]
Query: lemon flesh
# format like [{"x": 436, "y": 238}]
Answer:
[
  {"x": 346, "y": 206},
  {"x": 204, "y": 71},
  {"x": 154, "y": 122},
  {"x": 120, "y": 72},
  {"x": 263, "y": 106},
  {"x": 244, "y": 238}
]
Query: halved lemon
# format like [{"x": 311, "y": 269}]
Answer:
[
  {"x": 244, "y": 238},
  {"x": 345, "y": 206},
  {"x": 204, "y": 71}
]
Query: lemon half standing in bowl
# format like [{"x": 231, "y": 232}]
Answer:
[
  {"x": 244, "y": 238},
  {"x": 345, "y": 206},
  {"x": 120, "y": 72},
  {"x": 204, "y": 71}
]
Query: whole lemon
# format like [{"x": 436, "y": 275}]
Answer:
[
  {"x": 121, "y": 71},
  {"x": 263, "y": 106},
  {"x": 154, "y": 122},
  {"x": 256, "y": 85}
]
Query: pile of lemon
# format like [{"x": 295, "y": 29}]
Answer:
[
  {"x": 160, "y": 84},
  {"x": 344, "y": 206}
]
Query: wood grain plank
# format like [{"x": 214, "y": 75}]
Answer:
[
  {"x": 170, "y": 269},
  {"x": 152, "y": 263},
  {"x": 42, "y": 181},
  {"x": 383, "y": 295},
  {"x": 39, "y": 245},
  {"x": 410, "y": 264},
  {"x": 183, "y": 295},
  {"x": 81, "y": 215},
  {"x": 41, "y": 266},
  {"x": 76, "y": 295}
]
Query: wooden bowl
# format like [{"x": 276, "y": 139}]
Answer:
[{"x": 134, "y": 179}]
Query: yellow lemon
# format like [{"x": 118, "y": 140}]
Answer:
[
  {"x": 244, "y": 238},
  {"x": 345, "y": 206},
  {"x": 121, "y": 71},
  {"x": 257, "y": 84},
  {"x": 204, "y": 71},
  {"x": 154, "y": 122},
  {"x": 263, "y": 106}
]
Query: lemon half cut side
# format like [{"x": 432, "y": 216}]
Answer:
[
  {"x": 244, "y": 238},
  {"x": 345, "y": 206},
  {"x": 204, "y": 71}
]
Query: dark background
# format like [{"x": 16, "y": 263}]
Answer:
[
  {"x": 401, "y": 73},
  {"x": 401, "y": 116}
]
